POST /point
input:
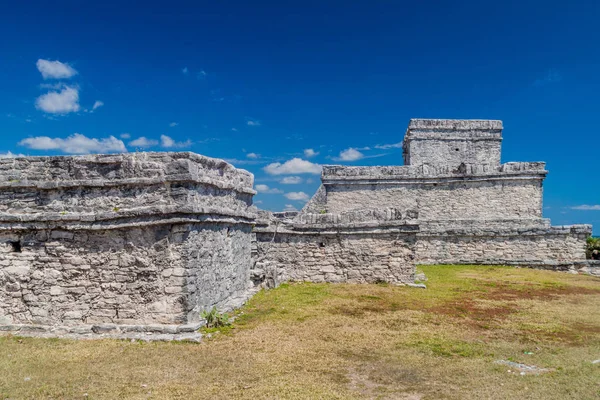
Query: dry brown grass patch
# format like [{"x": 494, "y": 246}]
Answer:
[{"x": 320, "y": 341}]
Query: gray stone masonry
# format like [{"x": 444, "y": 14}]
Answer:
[
  {"x": 443, "y": 142},
  {"x": 118, "y": 244},
  {"x": 138, "y": 245},
  {"x": 368, "y": 247},
  {"x": 469, "y": 208}
]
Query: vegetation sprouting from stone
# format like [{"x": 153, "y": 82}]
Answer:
[
  {"x": 593, "y": 243},
  {"x": 215, "y": 319}
]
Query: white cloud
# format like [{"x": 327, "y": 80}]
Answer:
[
  {"x": 97, "y": 104},
  {"x": 63, "y": 102},
  {"x": 254, "y": 156},
  {"x": 201, "y": 75},
  {"x": 293, "y": 166},
  {"x": 266, "y": 189},
  {"x": 143, "y": 142},
  {"x": 9, "y": 154},
  {"x": 350, "y": 154},
  {"x": 586, "y": 207},
  {"x": 234, "y": 129},
  {"x": 55, "y": 69},
  {"x": 235, "y": 161},
  {"x": 298, "y": 196},
  {"x": 168, "y": 142},
  {"x": 252, "y": 122},
  {"x": 290, "y": 207},
  {"x": 173, "y": 124},
  {"x": 185, "y": 70},
  {"x": 308, "y": 153},
  {"x": 75, "y": 144},
  {"x": 125, "y": 135},
  {"x": 389, "y": 146},
  {"x": 291, "y": 180}
]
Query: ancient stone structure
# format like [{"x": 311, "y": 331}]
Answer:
[
  {"x": 121, "y": 244},
  {"x": 138, "y": 245},
  {"x": 452, "y": 202}
]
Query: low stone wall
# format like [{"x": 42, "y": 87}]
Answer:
[
  {"x": 543, "y": 247},
  {"x": 139, "y": 276},
  {"x": 329, "y": 248},
  {"x": 360, "y": 258},
  {"x": 118, "y": 244}
]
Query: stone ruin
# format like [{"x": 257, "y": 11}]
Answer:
[{"x": 138, "y": 245}]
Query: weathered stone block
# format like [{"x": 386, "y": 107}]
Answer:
[{"x": 118, "y": 238}]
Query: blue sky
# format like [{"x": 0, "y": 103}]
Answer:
[{"x": 259, "y": 83}]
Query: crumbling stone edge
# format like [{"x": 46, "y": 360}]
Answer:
[{"x": 187, "y": 332}]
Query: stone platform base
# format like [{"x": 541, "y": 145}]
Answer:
[
  {"x": 575, "y": 267},
  {"x": 187, "y": 332}
]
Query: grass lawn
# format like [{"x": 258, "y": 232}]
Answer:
[{"x": 328, "y": 341}]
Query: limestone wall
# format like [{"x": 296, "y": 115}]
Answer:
[
  {"x": 151, "y": 275},
  {"x": 369, "y": 246},
  {"x": 444, "y": 199},
  {"x": 438, "y": 142},
  {"x": 133, "y": 239},
  {"x": 346, "y": 257},
  {"x": 510, "y": 246}
]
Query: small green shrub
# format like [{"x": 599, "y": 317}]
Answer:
[
  {"x": 215, "y": 319},
  {"x": 593, "y": 243}
]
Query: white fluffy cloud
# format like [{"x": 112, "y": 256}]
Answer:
[
  {"x": 389, "y": 146},
  {"x": 169, "y": 143},
  {"x": 173, "y": 124},
  {"x": 585, "y": 207},
  {"x": 97, "y": 104},
  {"x": 253, "y": 156},
  {"x": 293, "y": 166},
  {"x": 9, "y": 154},
  {"x": 252, "y": 122},
  {"x": 63, "y": 102},
  {"x": 290, "y": 207},
  {"x": 308, "y": 153},
  {"x": 75, "y": 144},
  {"x": 55, "y": 69},
  {"x": 143, "y": 142},
  {"x": 298, "y": 196},
  {"x": 125, "y": 135},
  {"x": 350, "y": 154},
  {"x": 291, "y": 180},
  {"x": 267, "y": 189}
]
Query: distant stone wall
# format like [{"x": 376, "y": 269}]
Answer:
[
  {"x": 356, "y": 247},
  {"x": 346, "y": 257},
  {"x": 542, "y": 247},
  {"x": 436, "y": 142},
  {"x": 444, "y": 199},
  {"x": 127, "y": 240}
]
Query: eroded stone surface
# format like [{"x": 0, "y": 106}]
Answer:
[
  {"x": 137, "y": 245},
  {"x": 464, "y": 206},
  {"x": 146, "y": 239}
]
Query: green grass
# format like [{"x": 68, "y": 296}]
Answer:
[{"x": 329, "y": 341}]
